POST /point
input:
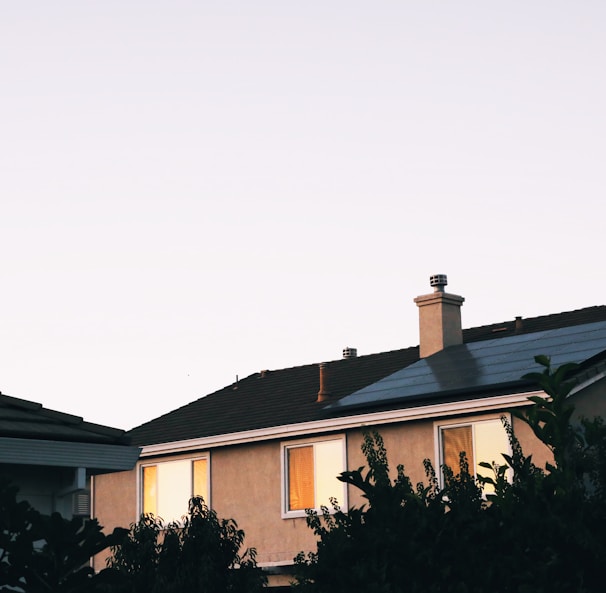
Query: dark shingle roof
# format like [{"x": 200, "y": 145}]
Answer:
[
  {"x": 289, "y": 396},
  {"x": 20, "y": 418}
]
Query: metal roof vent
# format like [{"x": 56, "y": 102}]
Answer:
[
  {"x": 350, "y": 352},
  {"x": 438, "y": 281}
]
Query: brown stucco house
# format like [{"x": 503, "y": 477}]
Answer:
[
  {"x": 51, "y": 456},
  {"x": 267, "y": 447}
]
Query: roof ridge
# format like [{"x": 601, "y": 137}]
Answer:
[
  {"x": 57, "y": 416},
  {"x": 523, "y": 325},
  {"x": 20, "y": 403},
  {"x": 538, "y": 317},
  {"x": 381, "y": 353}
]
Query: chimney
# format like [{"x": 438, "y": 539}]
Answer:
[
  {"x": 324, "y": 392},
  {"x": 439, "y": 318}
]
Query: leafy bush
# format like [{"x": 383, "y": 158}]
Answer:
[
  {"x": 199, "y": 555},
  {"x": 542, "y": 531},
  {"x": 50, "y": 554}
]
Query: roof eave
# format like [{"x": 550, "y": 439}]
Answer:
[
  {"x": 96, "y": 457},
  {"x": 333, "y": 424}
]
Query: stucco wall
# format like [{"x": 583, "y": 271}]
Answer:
[
  {"x": 408, "y": 444},
  {"x": 114, "y": 504},
  {"x": 246, "y": 486}
]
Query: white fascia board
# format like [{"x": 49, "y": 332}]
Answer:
[
  {"x": 584, "y": 384},
  {"x": 473, "y": 406}
]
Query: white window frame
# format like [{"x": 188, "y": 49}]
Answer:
[
  {"x": 155, "y": 462},
  {"x": 284, "y": 448},
  {"x": 466, "y": 421}
]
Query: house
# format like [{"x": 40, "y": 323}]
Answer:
[
  {"x": 51, "y": 456},
  {"x": 267, "y": 447}
]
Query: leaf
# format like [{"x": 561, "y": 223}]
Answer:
[{"x": 543, "y": 360}]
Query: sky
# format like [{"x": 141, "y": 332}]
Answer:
[{"x": 194, "y": 191}]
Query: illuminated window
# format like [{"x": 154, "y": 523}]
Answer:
[
  {"x": 310, "y": 475},
  {"x": 168, "y": 486},
  {"x": 482, "y": 441}
]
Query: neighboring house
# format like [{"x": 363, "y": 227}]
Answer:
[
  {"x": 267, "y": 447},
  {"x": 51, "y": 456}
]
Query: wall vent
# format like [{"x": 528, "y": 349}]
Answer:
[{"x": 81, "y": 504}]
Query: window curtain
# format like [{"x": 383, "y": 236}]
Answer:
[
  {"x": 300, "y": 478},
  {"x": 200, "y": 479},
  {"x": 455, "y": 440},
  {"x": 150, "y": 491}
]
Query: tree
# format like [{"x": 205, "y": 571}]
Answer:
[
  {"x": 541, "y": 531},
  {"x": 199, "y": 555}
]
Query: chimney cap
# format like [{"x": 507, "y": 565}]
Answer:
[
  {"x": 349, "y": 352},
  {"x": 438, "y": 281}
]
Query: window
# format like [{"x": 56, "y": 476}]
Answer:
[
  {"x": 482, "y": 441},
  {"x": 310, "y": 473},
  {"x": 168, "y": 486}
]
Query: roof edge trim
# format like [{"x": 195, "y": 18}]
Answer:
[
  {"x": 93, "y": 456},
  {"x": 335, "y": 424},
  {"x": 587, "y": 382}
]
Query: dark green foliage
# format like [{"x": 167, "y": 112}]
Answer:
[
  {"x": 543, "y": 530},
  {"x": 16, "y": 541},
  {"x": 199, "y": 555},
  {"x": 48, "y": 554}
]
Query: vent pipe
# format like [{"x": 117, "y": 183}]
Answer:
[{"x": 324, "y": 392}]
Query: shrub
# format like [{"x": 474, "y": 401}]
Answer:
[{"x": 199, "y": 555}]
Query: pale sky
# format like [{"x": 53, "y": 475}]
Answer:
[{"x": 194, "y": 190}]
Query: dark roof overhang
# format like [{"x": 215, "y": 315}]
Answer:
[{"x": 96, "y": 457}]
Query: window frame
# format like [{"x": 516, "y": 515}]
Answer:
[
  {"x": 284, "y": 475},
  {"x": 142, "y": 464},
  {"x": 440, "y": 425}
]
